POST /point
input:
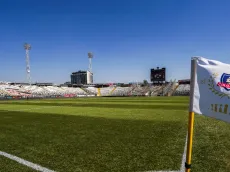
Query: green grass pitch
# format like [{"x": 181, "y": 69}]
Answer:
[{"x": 109, "y": 134}]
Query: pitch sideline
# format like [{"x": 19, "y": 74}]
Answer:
[{"x": 26, "y": 163}]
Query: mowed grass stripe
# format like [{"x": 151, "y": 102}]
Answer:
[
  {"x": 131, "y": 98},
  {"x": 118, "y": 100},
  {"x": 127, "y": 99},
  {"x": 99, "y": 101},
  {"x": 22, "y": 107},
  {"x": 112, "y": 99},
  {"x": 107, "y": 105},
  {"x": 114, "y": 113}
]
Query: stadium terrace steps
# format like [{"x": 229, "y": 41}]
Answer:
[
  {"x": 112, "y": 91},
  {"x": 131, "y": 91},
  {"x": 86, "y": 91},
  {"x": 167, "y": 88},
  {"x": 182, "y": 90},
  {"x": 121, "y": 91},
  {"x": 3, "y": 92},
  {"x": 106, "y": 91},
  {"x": 92, "y": 90},
  {"x": 174, "y": 90},
  {"x": 98, "y": 91},
  {"x": 157, "y": 90}
]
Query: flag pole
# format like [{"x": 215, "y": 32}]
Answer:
[{"x": 191, "y": 117}]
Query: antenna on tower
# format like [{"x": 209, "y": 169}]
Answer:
[
  {"x": 27, "y": 47},
  {"x": 90, "y": 56}
]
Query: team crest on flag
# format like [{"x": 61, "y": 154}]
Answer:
[{"x": 224, "y": 81}]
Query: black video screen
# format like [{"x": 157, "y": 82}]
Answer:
[{"x": 158, "y": 74}]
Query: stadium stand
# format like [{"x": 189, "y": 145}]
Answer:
[
  {"x": 8, "y": 90},
  {"x": 169, "y": 88},
  {"x": 89, "y": 91},
  {"x": 121, "y": 91},
  {"x": 40, "y": 91},
  {"x": 106, "y": 91},
  {"x": 156, "y": 90},
  {"x": 137, "y": 90},
  {"x": 92, "y": 90},
  {"x": 182, "y": 90}
]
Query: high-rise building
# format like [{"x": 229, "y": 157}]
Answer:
[{"x": 82, "y": 77}]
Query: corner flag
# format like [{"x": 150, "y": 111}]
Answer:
[{"x": 209, "y": 94}]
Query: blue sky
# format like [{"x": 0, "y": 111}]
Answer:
[{"x": 127, "y": 37}]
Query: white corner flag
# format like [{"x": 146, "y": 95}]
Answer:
[
  {"x": 211, "y": 92},
  {"x": 209, "y": 95}
]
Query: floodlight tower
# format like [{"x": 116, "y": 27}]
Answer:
[
  {"x": 90, "y": 56},
  {"x": 27, "y": 48}
]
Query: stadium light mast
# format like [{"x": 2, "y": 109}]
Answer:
[
  {"x": 27, "y": 47},
  {"x": 90, "y": 56}
]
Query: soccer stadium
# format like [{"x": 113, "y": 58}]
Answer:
[
  {"x": 106, "y": 127},
  {"x": 148, "y": 105},
  {"x": 85, "y": 126}
]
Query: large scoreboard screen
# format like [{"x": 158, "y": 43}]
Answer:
[{"x": 157, "y": 74}]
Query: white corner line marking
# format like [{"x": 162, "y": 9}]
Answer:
[
  {"x": 26, "y": 163},
  {"x": 182, "y": 168}
]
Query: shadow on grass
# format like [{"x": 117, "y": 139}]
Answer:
[
  {"x": 126, "y": 100},
  {"x": 81, "y": 143},
  {"x": 105, "y": 105}
]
